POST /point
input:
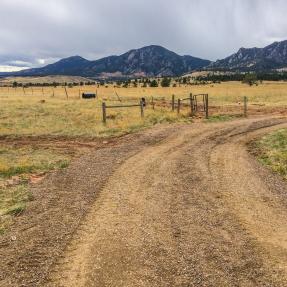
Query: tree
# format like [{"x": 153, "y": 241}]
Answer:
[
  {"x": 165, "y": 82},
  {"x": 250, "y": 79},
  {"x": 153, "y": 84}
]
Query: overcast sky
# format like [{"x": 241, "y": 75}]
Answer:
[{"x": 37, "y": 32}]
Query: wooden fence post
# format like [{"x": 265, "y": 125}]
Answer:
[
  {"x": 191, "y": 105},
  {"x": 66, "y": 93},
  {"x": 203, "y": 99},
  {"x": 104, "y": 112},
  {"x": 178, "y": 106},
  {"x": 152, "y": 103},
  {"x": 142, "y": 108},
  {"x": 245, "y": 107},
  {"x": 172, "y": 103},
  {"x": 206, "y": 106}
]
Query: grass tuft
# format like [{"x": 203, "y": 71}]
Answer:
[
  {"x": 271, "y": 150},
  {"x": 16, "y": 210}
]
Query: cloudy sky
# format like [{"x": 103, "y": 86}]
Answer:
[{"x": 37, "y": 32}]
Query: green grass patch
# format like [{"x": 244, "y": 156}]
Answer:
[
  {"x": 13, "y": 199},
  {"x": 17, "y": 209},
  {"x": 271, "y": 150},
  {"x": 27, "y": 160}
]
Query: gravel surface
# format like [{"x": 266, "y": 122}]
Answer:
[{"x": 179, "y": 205}]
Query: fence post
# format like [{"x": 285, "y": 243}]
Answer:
[
  {"x": 142, "y": 109},
  {"x": 195, "y": 103},
  {"x": 67, "y": 96},
  {"x": 172, "y": 103},
  {"x": 191, "y": 105},
  {"x": 152, "y": 102},
  {"x": 203, "y": 98},
  {"x": 178, "y": 106},
  {"x": 104, "y": 112},
  {"x": 245, "y": 107},
  {"x": 206, "y": 106}
]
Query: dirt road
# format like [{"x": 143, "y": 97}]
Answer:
[{"x": 182, "y": 205}]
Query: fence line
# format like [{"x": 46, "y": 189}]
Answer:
[
  {"x": 196, "y": 102},
  {"x": 105, "y": 107}
]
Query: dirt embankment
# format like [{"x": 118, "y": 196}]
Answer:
[{"x": 181, "y": 205}]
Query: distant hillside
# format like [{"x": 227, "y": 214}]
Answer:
[
  {"x": 151, "y": 61},
  {"x": 269, "y": 58}
]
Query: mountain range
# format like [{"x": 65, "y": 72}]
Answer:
[
  {"x": 268, "y": 58},
  {"x": 150, "y": 61},
  {"x": 156, "y": 61}
]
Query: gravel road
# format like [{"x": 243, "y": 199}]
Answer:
[{"x": 179, "y": 205}]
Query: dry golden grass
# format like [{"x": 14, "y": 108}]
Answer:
[
  {"x": 48, "y": 111},
  {"x": 269, "y": 93}
]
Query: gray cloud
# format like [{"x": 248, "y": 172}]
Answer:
[{"x": 34, "y": 32}]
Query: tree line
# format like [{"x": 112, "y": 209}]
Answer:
[{"x": 248, "y": 78}]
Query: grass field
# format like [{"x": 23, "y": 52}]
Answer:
[
  {"x": 267, "y": 93},
  {"x": 25, "y": 112},
  {"x": 48, "y": 112}
]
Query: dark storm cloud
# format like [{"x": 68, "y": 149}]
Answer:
[{"x": 34, "y": 32}]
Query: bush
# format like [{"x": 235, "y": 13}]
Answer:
[
  {"x": 165, "y": 82},
  {"x": 153, "y": 84},
  {"x": 250, "y": 79}
]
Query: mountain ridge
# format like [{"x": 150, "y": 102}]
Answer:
[
  {"x": 157, "y": 61},
  {"x": 271, "y": 57},
  {"x": 149, "y": 61}
]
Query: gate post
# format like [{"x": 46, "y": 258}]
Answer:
[{"x": 191, "y": 105}]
